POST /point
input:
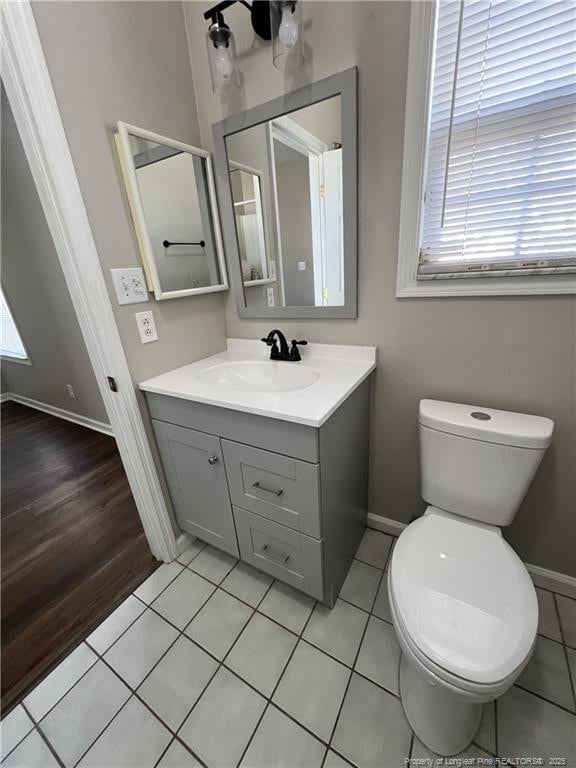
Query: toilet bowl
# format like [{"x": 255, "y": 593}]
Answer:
[{"x": 463, "y": 605}]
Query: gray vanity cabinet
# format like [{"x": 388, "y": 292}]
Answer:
[
  {"x": 287, "y": 498},
  {"x": 195, "y": 472}
]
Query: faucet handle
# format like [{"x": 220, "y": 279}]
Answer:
[
  {"x": 268, "y": 341},
  {"x": 294, "y": 351}
]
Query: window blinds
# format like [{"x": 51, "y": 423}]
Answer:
[
  {"x": 500, "y": 189},
  {"x": 11, "y": 344}
]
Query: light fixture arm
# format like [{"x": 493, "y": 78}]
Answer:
[{"x": 259, "y": 15}]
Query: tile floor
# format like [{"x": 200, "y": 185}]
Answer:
[{"x": 213, "y": 663}]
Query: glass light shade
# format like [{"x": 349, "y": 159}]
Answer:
[
  {"x": 222, "y": 58},
  {"x": 287, "y": 45}
]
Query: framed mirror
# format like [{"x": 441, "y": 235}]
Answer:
[
  {"x": 171, "y": 193},
  {"x": 286, "y": 177}
]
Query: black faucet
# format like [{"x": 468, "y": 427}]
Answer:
[{"x": 289, "y": 355}]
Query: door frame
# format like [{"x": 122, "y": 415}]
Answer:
[{"x": 33, "y": 102}]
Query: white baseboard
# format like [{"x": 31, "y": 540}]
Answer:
[
  {"x": 385, "y": 524},
  {"x": 542, "y": 577},
  {"x": 183, "y": 541},
  {"x": 557, "y": 582},
  {"x": 60, "y": 413}
]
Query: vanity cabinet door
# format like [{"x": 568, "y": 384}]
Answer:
[{"x": 197, "y": 481}]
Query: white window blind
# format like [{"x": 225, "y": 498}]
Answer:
[
  {"x": 11, "y": 344},
  {"x": 500, "y": 189}
]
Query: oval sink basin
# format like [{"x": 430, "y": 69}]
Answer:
[{"x": 270, "y": 376}]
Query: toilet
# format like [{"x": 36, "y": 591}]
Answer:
[{"x": 463, "y": 605}]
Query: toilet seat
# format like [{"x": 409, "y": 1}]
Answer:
[{"x": 463, "y": 602}]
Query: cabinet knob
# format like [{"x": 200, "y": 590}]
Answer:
[{"x": 212, "y": 460}]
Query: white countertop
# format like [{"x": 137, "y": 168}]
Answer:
[{"x": 342, "y": 368}]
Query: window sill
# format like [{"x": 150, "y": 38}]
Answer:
[{"x": 408, "y": 287}]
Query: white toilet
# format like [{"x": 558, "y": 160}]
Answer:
[{"x": 462, "y": 602}]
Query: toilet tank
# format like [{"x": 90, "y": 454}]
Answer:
[{"x": 479, "y": 462}]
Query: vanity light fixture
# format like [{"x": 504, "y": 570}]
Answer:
[
  {"x": 221, "y": 54},
  {"x": 276, "y": 20}
]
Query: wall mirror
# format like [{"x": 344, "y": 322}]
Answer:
[
  {"x": 170, "y": 188},
  {"x": 286, "y": 182}
]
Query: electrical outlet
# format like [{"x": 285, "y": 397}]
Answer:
[
  {"x": 146, "y": 326},
  {"x": 270, "y": 296},
  {"x": 130, "y": 285},
  {"x": 70, "y": 390},
  {"x": 272, "y": 269},
  {"x": 301, "y": 266}
]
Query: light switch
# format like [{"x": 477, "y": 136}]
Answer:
[
  {"x": 301, "y": 266},
  {"x": 272, "y": 269},
  {"x": 146, "y": 327},
  {"x": 130, "y": 285}
]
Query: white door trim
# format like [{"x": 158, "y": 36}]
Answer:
[{"x": 27, "y": 82}]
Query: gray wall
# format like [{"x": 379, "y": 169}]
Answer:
[
  {"x": 35, "y": 288},
  {"x": 512, "y": 353},
  {"x": 127, "y": 61}
]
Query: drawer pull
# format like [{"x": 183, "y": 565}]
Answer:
[
  {"x": 274, "y": 491},
  {"x": 278, "y": 556}
]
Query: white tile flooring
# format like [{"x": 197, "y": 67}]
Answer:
[{"x": 213, "y": 663}]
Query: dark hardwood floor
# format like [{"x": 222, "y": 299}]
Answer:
[{"x": 72, "y": 543}]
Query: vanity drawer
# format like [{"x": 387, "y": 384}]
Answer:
[
  {"x": 277, "y": 487},
  {"x": 286, "y": 554}
]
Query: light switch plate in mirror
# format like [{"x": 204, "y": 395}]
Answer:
[{"x": 286, "y": 179}]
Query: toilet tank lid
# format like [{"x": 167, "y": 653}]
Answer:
[{"x": 488, "y": 424}]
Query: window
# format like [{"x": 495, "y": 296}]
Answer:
[
  {"x": 494, "y": 195},
  {"x": 11, "y": 344}
]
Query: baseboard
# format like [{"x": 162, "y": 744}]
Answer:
[
  {"x": 60, "y": 413},
  {"x": 183, "y": 541},
  {"x": 557, "y": 582},
  {"x": 385, "y": 524},
  {"x": 542, "y": 577}
]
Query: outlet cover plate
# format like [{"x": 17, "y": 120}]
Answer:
[
  {"x": 146, "y": 326},
  {"x": 130, "y": 285}
]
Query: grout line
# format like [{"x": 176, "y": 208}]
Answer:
[
  {"x": 543, "y": 698},
  {"x": 411, "y": 747},
  {"x": 340, "y": 708},
  {"x": 270, "y": 703},
  {"x": 220, "y": 662},
  {"x": 50, "y": 747},
  {"x": 92, "y": 648},
  {"x": 558, "y": 618},
  {"x": 165, "y": 750},
  {"x": 572, "y": 682},
  {"x": 496, "y": 726},
  {"x": 66, "y": 692}
]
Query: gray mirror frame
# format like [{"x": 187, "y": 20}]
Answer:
[{"x": 343, "y": 84}]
